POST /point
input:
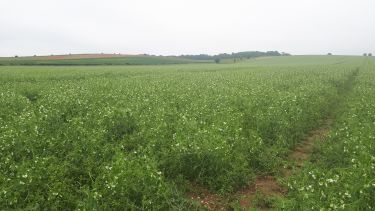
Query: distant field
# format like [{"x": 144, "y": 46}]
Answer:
[
  {"x": 188, "y": 136},
  {"x": 96, "y": 59}
]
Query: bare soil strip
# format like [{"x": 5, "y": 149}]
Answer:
[
  {"x": 78, "y": 56},
  {"x": 268, "y": 186}
]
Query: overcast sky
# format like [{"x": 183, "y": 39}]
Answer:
[{"x": 41, "y": 27}]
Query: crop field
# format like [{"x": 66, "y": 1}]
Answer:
[
  {"x": 188, "y": 136},
  {"x": 96, "y": 59}
]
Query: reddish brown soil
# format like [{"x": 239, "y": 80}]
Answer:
[
  {"x": 266, "y": 186},
  {"x": 303, "y": 151},
  {"x": 79, "y": 56},
  {"x": 206, "y": 198}
]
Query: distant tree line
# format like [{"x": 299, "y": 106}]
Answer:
[{"x": 234, "y": 56}]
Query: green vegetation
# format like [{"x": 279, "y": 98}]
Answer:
[
  {"x": 128, "y": 60},
  {"x": 239, "y": 55},
  {"x": 342, "y": 175},
  {"x": 136, "y": 137}
]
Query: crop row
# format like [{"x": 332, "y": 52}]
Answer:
[{"x": 343, "y": 174}]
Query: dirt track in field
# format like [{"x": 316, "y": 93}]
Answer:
[
  {"x": 264, "y": 186},
  {"x": 268, "y": 186}
]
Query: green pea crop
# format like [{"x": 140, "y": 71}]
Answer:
[{"x": 136, "y": 137}]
